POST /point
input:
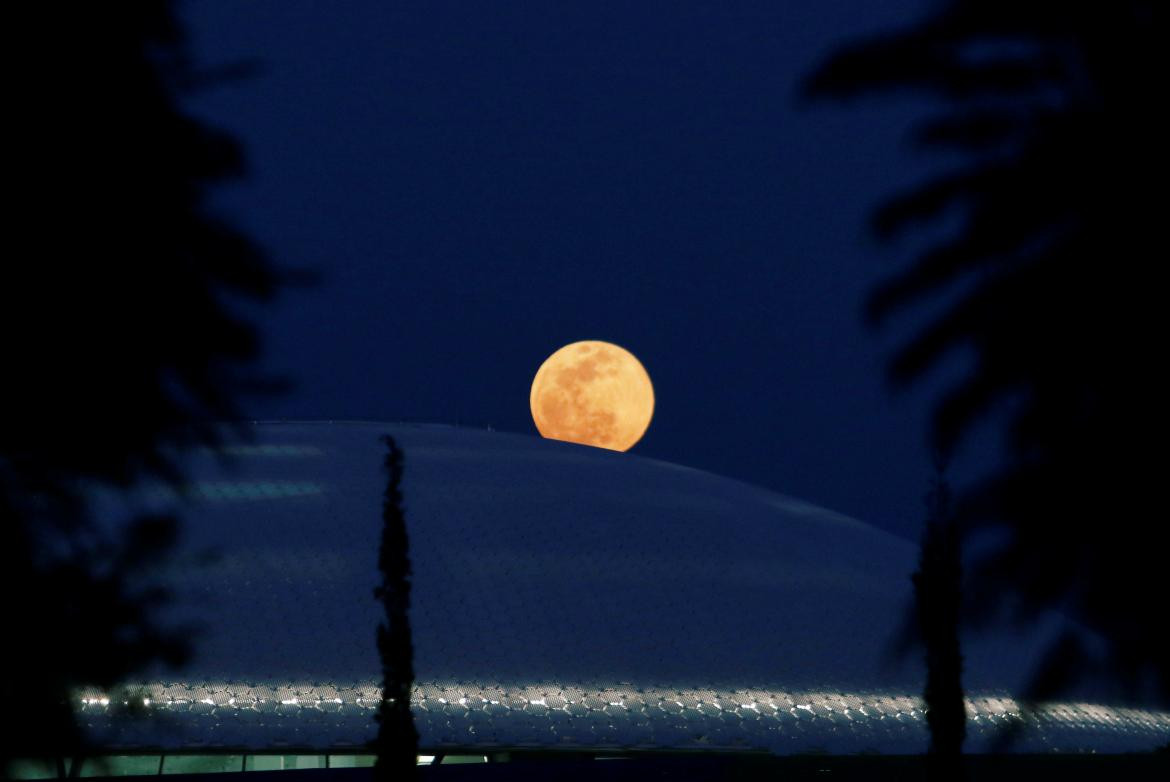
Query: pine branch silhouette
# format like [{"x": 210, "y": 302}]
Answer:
[
  {"x": 124, "y": 346},
  {"x": 1048, "y": 285}
]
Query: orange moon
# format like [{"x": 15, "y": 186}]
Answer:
[{"x": 592, "y": 393}]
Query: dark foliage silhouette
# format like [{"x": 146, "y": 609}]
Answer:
[
  {"x": 1051, "y": 110},
  {"x": 397, "y": 742},
  {"x": 937, "y": 595},
  {"x": 126, "y": 339}
]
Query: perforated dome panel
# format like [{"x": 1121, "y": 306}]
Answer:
[{"x": 563, "y": 597}]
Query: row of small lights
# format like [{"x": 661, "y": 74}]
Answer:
[
  {"x": 462, "y": 702},
  {"x": 1004, "y": 708},
  {"x": 210, "y": 702},
  {"x": 999, "y": 707}
]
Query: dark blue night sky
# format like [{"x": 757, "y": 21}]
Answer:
[{"x": 481, "y": 183}]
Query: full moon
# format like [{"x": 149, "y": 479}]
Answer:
[{"x": 592, "y": 393}]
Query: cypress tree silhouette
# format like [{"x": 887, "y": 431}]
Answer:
[
  {"x": 397, "y": 741},
  {"x": 937, "y": 592},
  {"x": 1049, "y": 288},
  {"x": 124, "y": 344}
]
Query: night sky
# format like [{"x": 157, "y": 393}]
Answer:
[{"x": 479, "y": 184}]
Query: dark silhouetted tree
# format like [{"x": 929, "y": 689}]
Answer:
[
  {"x": 1052, "y": 111},
  {"x": 397, "y": 742},
  {"x": 125, "y": 342},
  {"x": 937, "y": 595}
]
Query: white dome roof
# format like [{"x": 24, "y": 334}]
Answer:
[{"x": 563, "y": 597}]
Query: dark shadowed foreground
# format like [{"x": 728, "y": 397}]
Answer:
[{"x": 746, "y": 768}]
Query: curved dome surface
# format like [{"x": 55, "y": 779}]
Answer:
[{"x": 564, "y": 597}]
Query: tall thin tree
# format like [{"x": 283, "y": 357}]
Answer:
[
  {"x": 397, "y": 741},
  {"x": 937, "y": 592}
]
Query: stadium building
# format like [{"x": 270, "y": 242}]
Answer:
[{"x": 567, "y": 602}]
